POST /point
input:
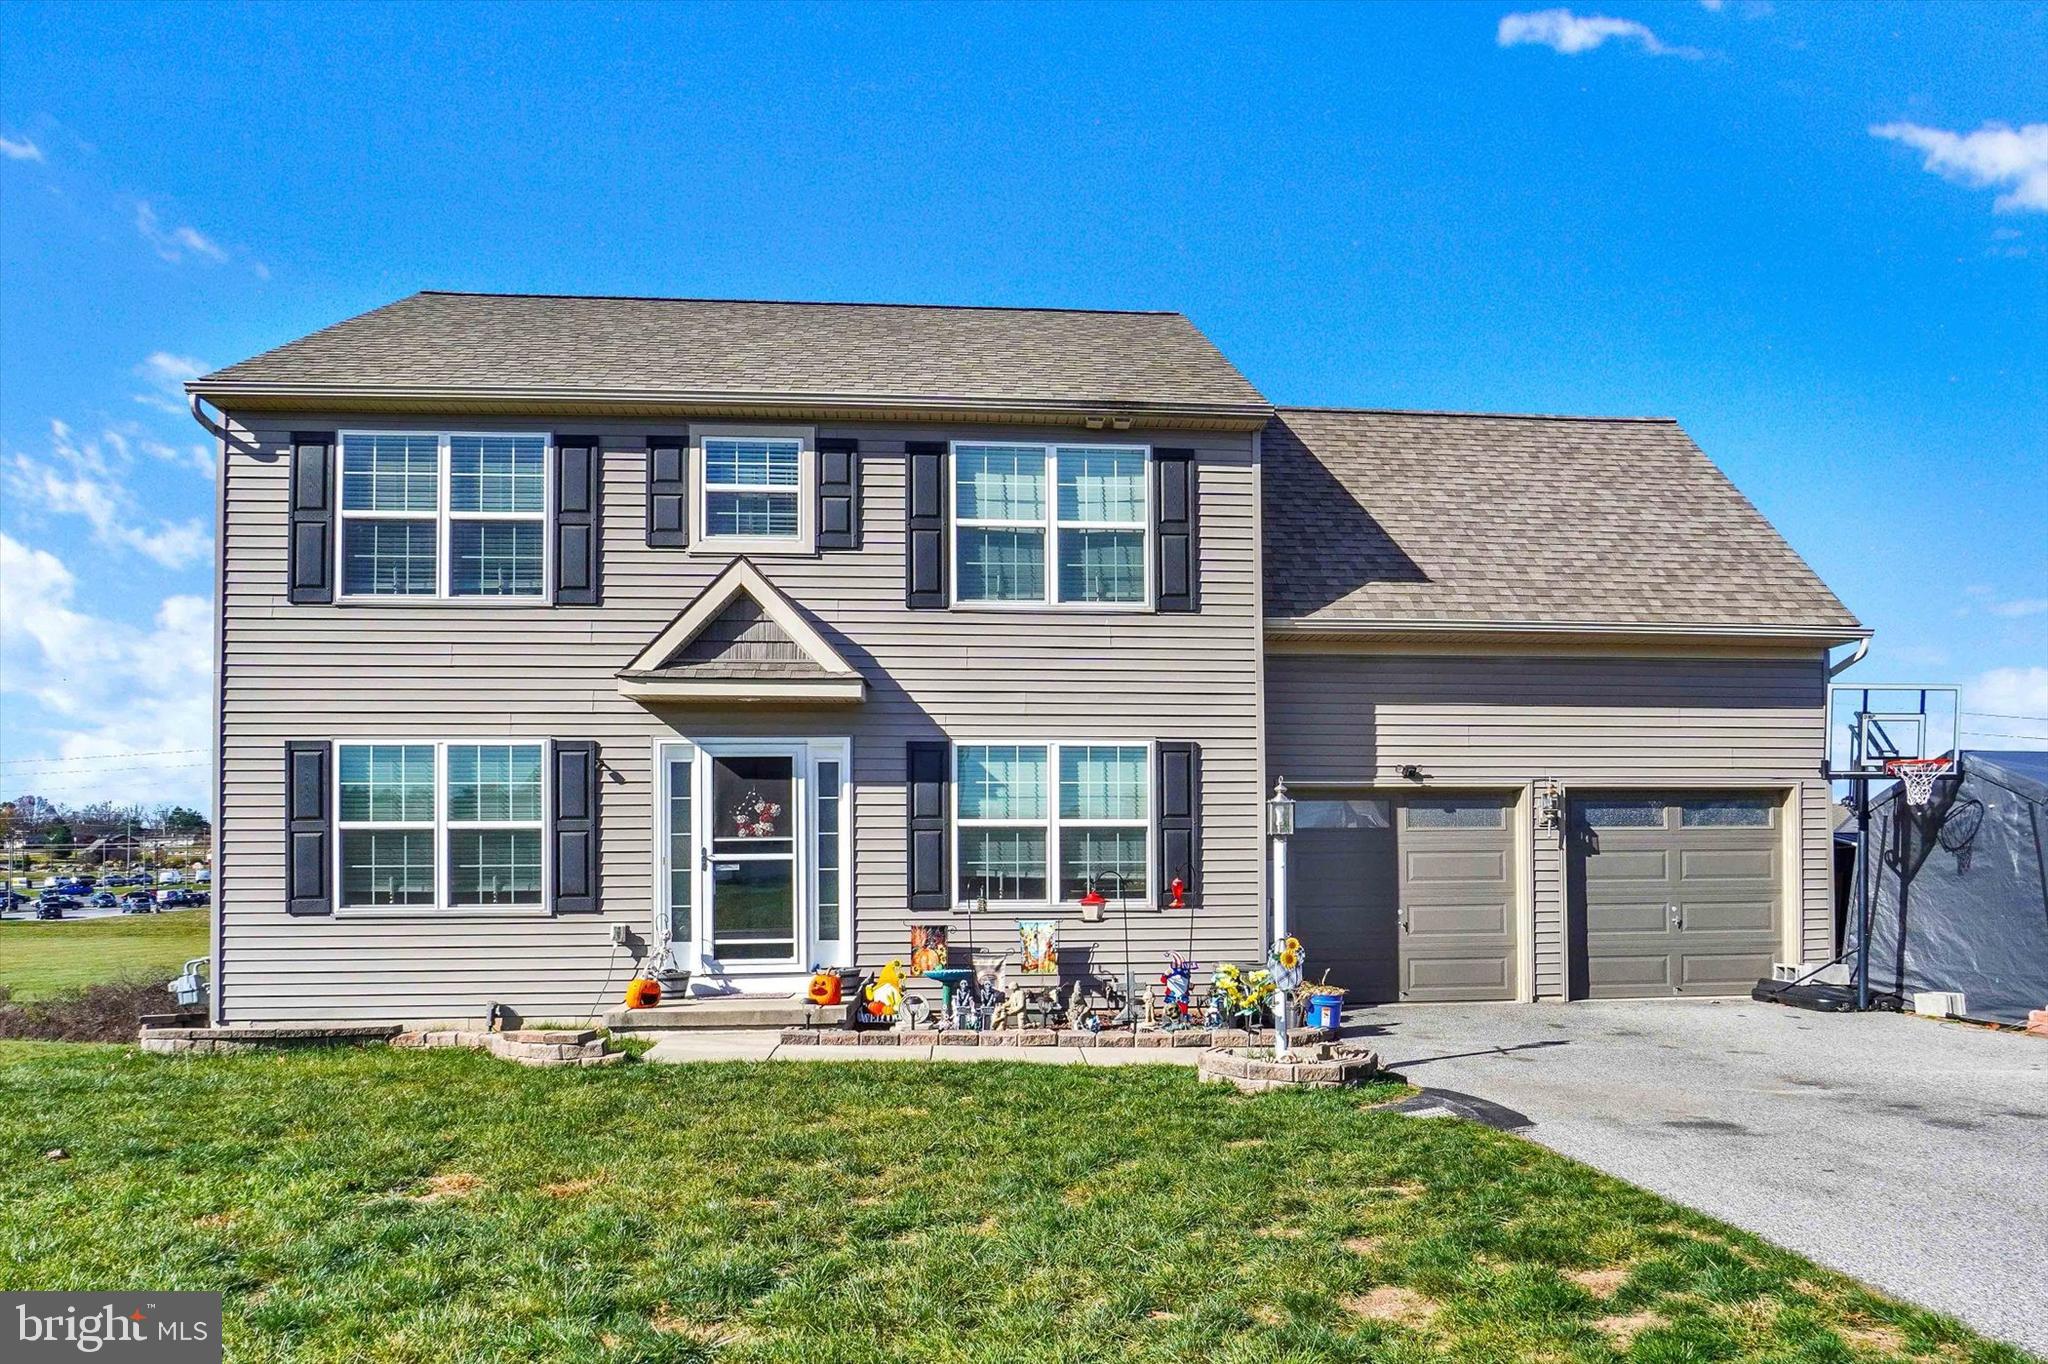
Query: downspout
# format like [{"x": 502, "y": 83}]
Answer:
[
  {"x": 1862, "y": 648},
  {"x": 216, "y": 1008}
]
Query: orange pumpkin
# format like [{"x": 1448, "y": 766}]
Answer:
[
  {"x": 642, "y": 993},
  {"x": 824, "y": 990}
]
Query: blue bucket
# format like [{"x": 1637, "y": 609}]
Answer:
[{"x": 1323, "y": 1011}]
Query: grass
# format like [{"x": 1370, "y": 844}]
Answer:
[
  {"x": 39, "y": 960},
  {"x": 369, "y": 1205}
]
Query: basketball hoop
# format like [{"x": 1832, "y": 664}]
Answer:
[{"x": 1917, "y": 776}]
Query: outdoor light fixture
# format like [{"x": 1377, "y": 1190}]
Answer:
[
  {"x": 1410, "y": 772},
  {"x": 1280, "y": 812},
  {"x": 1549, "y": 805}
]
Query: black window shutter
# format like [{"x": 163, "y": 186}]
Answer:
[
  {"x": 928, "y": 805},
  {"x": 572, "y": 828},
  {"x": 1180, "y": 821},
  {"x": 312, "y": 525},
  {"x": 577, "y": 467},
  {"x": 308, "y": 827},
  {"x": 924, "y": 556},
  {"x": 838, "y": 492},
  {"x": 668, "y": 492},
  {"x": 1173, "y": 530}
]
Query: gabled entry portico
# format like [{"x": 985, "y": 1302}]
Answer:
[{"x": 752, "y": 845}]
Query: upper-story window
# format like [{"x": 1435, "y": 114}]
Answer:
[
  {"x": 753, "y": 489},
  {"x": 1044, "y": 525},
  {"x": 443, "y": 515}
]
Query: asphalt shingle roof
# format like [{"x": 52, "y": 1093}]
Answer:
[
  {"x": 680, "y": 347},
  {"x": 1435, "y": 518}
]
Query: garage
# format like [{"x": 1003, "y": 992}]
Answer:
[
  {"x": 1674, "y": 892},
  {"x": 1406, "y": 898}
]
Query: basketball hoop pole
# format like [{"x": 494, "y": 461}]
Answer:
[{"x": 1862, "y": 897}]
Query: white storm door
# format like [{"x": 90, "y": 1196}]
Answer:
[{"x": 753, "y": 835}]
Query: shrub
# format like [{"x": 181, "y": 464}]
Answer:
[{"x": 95, "y": 1013}]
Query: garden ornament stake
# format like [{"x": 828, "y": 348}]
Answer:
[{"x": 1128, "y": 1015}]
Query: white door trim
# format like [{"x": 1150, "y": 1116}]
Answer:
[{"x": 711, "y": 975}]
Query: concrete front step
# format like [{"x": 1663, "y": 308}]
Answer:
[{"x": 739, "y": 1011}]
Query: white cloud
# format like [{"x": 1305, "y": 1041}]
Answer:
[
  {"x": 1999, "y": 703},
  {"x": 1997, "y": 156},
  {"x": 110, "y": 689},
  {"x": 1988, "y": 599},
  {"x": 1568, "y": 33},
  {"x": 89, "y": 479},
  {"x": 22, "y": 150},
  {"x": 175, "y": 243},
  {"x": 167, "y": 374}
]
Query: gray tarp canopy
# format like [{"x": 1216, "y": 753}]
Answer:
[{"x": 1959, "y": 892}]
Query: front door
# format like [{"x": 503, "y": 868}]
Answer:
[{"x": 753, "y": 849}]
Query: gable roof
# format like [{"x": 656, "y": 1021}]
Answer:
[
  {"x": 742, "y": 639},
  {"x": 730, "y": 354},
  {"x": 1383, "y": 520}
]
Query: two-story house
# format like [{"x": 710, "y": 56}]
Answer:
[{"x": 554, "y": 630}]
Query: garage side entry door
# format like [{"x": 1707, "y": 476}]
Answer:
[
  {"x": 1673, "y": 893},
  {"x": 1408, "y": 898}
]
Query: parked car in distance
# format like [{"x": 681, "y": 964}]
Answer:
[
  {"x": 179, "y": 899},
  {"x": 10, "y": 900},
  {"x": 101, "y": 900},
  {"x": 51, "y": 908}
]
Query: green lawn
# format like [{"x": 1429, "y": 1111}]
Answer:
[
  {"x": 38, "y": 960},
  {"x": 368, "y": 1205}
]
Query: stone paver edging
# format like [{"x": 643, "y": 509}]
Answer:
[
  {"x": 526, "y": 1046},
  {"x": 1325, "y": 1066}
]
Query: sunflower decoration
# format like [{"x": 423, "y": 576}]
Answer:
[
  {"x": 1286, "y": 962},
  {"x": 1244, "y": 996}
]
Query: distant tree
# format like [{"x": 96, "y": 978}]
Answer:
[
  {"x": 55, "y": 834},
  {"x": 180, "y": 819},
  {"x": 31, "y": 813}
]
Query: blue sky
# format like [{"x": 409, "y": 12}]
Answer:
[{"x": 1818, "y": 235}]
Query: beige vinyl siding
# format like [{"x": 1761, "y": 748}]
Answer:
[
  {"x": 464, "y": 670},
  {"x": 1588, "y": 721}
]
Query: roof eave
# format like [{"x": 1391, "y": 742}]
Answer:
[
  {"x": 1394, "y": 630},
  {"x": 1114, "y": 413}
]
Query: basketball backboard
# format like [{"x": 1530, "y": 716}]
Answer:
[{"x": 1869, "y": 724}]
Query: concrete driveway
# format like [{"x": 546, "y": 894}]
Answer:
[{"x": 1910, "y": 1154}]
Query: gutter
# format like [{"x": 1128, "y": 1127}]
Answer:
[{"x": 399, "y": 396}]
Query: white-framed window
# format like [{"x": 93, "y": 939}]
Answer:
[
  {"x": 443, "y": 515},
  {"x": 1041, "y": 823},
  {"x": 1051, "y": 525},
  {"x": 754, "y": 488},
  {"x": 455, "y": 825}
]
